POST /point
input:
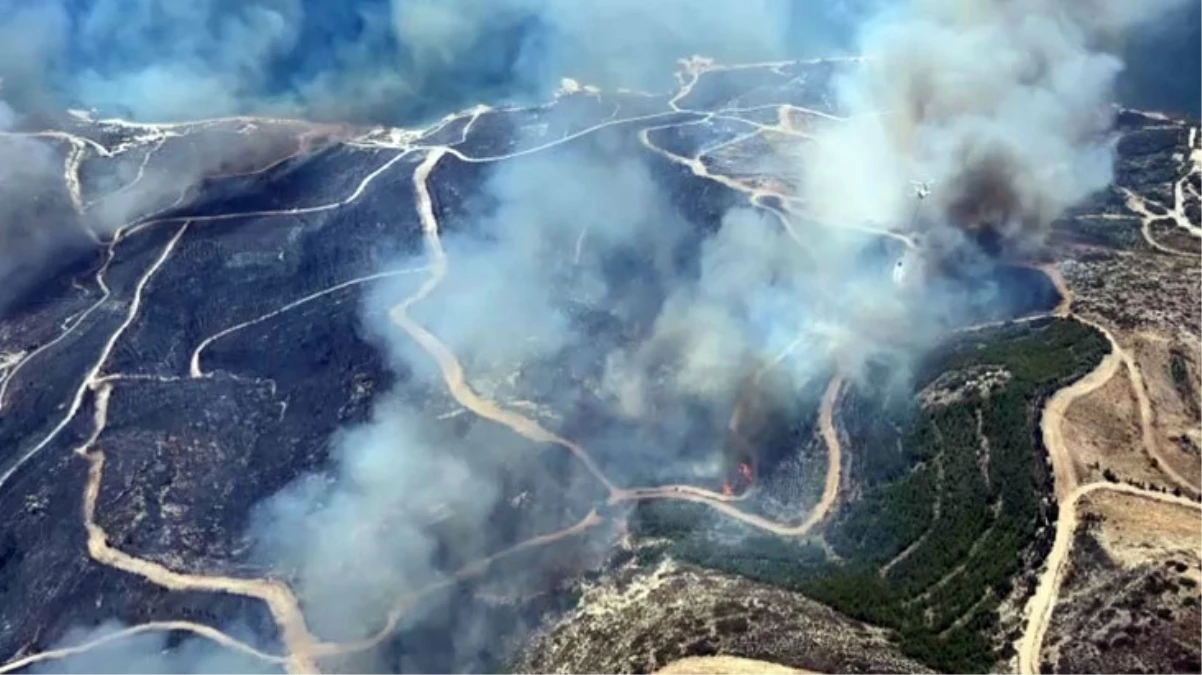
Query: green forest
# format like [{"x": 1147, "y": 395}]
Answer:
[{"x": 956, "y": 487}]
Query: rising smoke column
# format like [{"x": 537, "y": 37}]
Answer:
[{"x": 1005, "y": 104}]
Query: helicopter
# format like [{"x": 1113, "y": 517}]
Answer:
[
  {"x": 901, "y": 268},
  {"x": 922, "y": 188}
]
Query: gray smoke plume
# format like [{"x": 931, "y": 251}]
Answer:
[
  {"x": 1004, "y": 105},
  {"x": 358, "y": 538},
  {"x": 36, "y": 216},
  {"x": 554, "y": 236}
]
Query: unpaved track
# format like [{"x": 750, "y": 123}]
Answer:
[
  {"x": 1147, "y": 417},
  {"x": 194, "y": 369},
  {"x": 1058, "y": 407},
  {"x": 94, "y": 372},
  {"x": 150, "y": 627},
  {"x": 1065, "y": 485},
  {"x": 1068, "y": 491},
  {"x": 278, "y": 597},
  {"x": 834, "y": 468},
  {"x": 1042, "y": 604},
  {"x": 727, "y": 665},
  {"x": 1139, "y": 205},
  {"x": 1053, "y": 421},
  {"x": 468, "y": 571},
  {"x": 452, "y": 371},
  {"x": 755, "y": 195}
]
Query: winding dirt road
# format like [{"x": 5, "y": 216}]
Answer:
[
  {"x": 1042, "y": 604},
  {"x": 198, "y": 629},
  {"x": 1068, "y": 490},
  {"x": 1063, "y": 470},
  {"x": 726, "y": 665},
  {"x": 456, "y": 381}
]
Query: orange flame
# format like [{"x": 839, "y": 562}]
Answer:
[{"x": 727, "y": 489}]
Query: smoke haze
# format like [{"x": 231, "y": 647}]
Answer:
[{"x": 378, "y": 60}]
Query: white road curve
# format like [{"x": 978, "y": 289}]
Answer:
[
  {"x": 68, "y": 330},
  {"x": 134, "y": 305},
  {"x": 194, "y": 369},
  {"x": 198, "y": 629}
]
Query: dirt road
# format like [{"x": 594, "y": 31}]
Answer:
[
  {"x": 728, "y": 665},
  {"x": 1041, "y": 605}
]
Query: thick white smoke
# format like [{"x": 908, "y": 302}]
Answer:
[
  {"x": 356, "y": 541},
  {"x": 1004, "y": 105}
]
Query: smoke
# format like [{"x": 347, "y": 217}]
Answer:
[
  {"x": 365, "y": 541},
  {"x": 576, "y": 283},
  {"x": 37, "y": 217},
  {"x": 377, "y": 60},
  {"x": 1005, "y": 106}
]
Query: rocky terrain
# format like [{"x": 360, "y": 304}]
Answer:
[
  {"x": 640, "y": 621},
  {"x": 1129, "y": 601}
]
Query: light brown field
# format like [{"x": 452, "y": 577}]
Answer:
[
  {"x": 1134, "y": 530},
  {"x": 1173, "y": 415},
  {"x": 1102, "y": 429}
]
